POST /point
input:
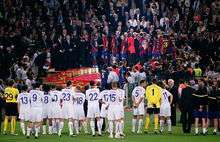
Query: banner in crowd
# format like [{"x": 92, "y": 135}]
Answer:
[{"x": 80, "y": 76}]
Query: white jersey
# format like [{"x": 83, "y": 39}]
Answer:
[
  {"x": 47, "y": 100},
  {"x": 104, "y": 96},
  {"x": 56, "y": 98},
  {"x": 36, "y": 98},
  {"x": 67, "y": 96},
  {"x": 137, "y": 94},
  {"x": 122, "y": 94},
  {"x": 79, "y": 99},
  {"x": 115, "y": 98},
  {"x": 165, "y": 98},
  {"x": 92, "y": 96},
  {"x": 24, "y": 100}
]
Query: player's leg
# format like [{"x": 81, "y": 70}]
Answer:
[
  {"x": 156, "y": 122},
  {"x": 44, "y": 127},
  {"x": 61, "y": 124},
  {"x": 147, "y": 123},
  {"x": 99, "y": 126},
  {"x": 196, "y": 126},
  {"x": 84, "y": 124},
  {"x": 76, "y": 125},
  {"x": 50, "y": 126},
  {"x": 22, "y": 126},
  {"x": 204, "y": 126},
  {"x": 134, "y": 122},
  {"x": 13, "y": 124},
  {"x": 117, "y": 128},
  {"x": 29, "y": 127},
  {"x": 37, "y": 128},
  {"x": 162, "y": 119},
  {"x": 5, "y": 124},
  {"x": 70, "y": 126},
  {"x": 215, "y": 125},
  {"x": 169, "y": 124},
  {"x": 140, "y": 123}
]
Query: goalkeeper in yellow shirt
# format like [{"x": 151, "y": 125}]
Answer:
[
  {"x": 10, "y": 96},
  {"x": 153, "y": 97}
]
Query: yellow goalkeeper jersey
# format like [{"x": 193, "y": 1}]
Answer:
[
  {"x": 11, "y": 94},
  {"x": 153, "y": 96}
]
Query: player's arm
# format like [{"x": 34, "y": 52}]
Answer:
[
  {"x": 18, "y": 104},
  {"x": 139, "y": 101},
  {"x": 171, "y": 99}
]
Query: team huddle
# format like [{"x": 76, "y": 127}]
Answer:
[
  {"x": 54, "y": 106},
  {"x": 49, "y": 107}
]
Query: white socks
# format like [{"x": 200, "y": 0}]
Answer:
[
  {"x": 60, "y": 127},
  {"x": 76, "y": 124},
  {"x": 85, "y": 127},
  {"x": 140, "y": 125},
  {"x": 92, "y": 125},
  {"x": 70, "y": 125},
  {"x": 22, "y": 125},
  {"x": 99, "y": 125},
  {"x": 44, "y": 129},
  {"x": 196, "y": 130},
  {"x": 161, "y": 125},
  {"x": 134, "y": 121},
  {"x": 117, "y": 128},
  {"x": 37, "y": 129},
  {"x": 111, "y": 127},
  {"x": 28, "y": 131},
  {"x": 169, "y": 125},
  {"x": 50, "y": 128}
]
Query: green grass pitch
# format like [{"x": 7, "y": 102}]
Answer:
[{"x": 177, "y": 136}]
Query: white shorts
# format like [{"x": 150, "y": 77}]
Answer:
[
  {"x": 104, "y": 111},
  {"x": 56, "y": 112},
  {"x": 24, "y": 114},
  {"x": 67, "y": 111},
  {"x": 138, "y": 111},
  {"x": 78, "y": 113},
  {"x": 47, "y": 112},
  {"x": 93, "y": 111},
  {"x": 165, "y": 111},
  {"x": 36, "y": 114},
  {"x": 114, "y": 113}
]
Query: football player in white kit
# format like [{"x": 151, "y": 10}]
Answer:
[
  {"x": 78, "y": 113},
  {"x": 114, "y": 111},
  {"x": 36, "y": 109},
  {"x": 104, "y": 98},
  {"x": 138, "y": 95},
  {"x": 47, "y": 113},
  {"x": 67, "y": 108},
  {"x": 56, "y": 108},
  {"x": 92, "y": 96},
  {"x": 165, "y": 109},
  {"x": 23, "y": 102},
  {"x": 122, "y": 94}
]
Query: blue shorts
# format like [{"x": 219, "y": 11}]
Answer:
[
  {"x": 213, "y": 114},
  {"x": 199, "y": 114}
]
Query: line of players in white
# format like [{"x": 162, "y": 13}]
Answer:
[{"x": 37, "y": 107}]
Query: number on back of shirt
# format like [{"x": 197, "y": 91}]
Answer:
[
  {"x": 66, "y": 96},
  {"x": 24, "y": 100},
  {"x": 93, "y": 96}
]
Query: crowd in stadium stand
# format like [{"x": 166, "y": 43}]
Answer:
[{"x": 128, "y": 40}]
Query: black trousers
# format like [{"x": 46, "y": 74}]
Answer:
[
  {"x": 173, "y": 115},
  {"x": 187, "y": 120}
]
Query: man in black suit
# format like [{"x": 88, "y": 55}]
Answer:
[
  {"x": 186, "y": 107},
  {"x": 174, "y": 91}
]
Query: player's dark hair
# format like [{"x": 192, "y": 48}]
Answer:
[
  {"x": 92, "y": 83},
  {"x": 24, "y": 87},
  {"x": 154, "y": 80},
  {"x": 68, "y": 83},
  {"x": 46, "y": 88},
  {"x": 52, "y": 86},
  {"x": 142, "y": 81},
  {"x": 10, "y": 82},
  {"x": 36, "y": 85}
]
